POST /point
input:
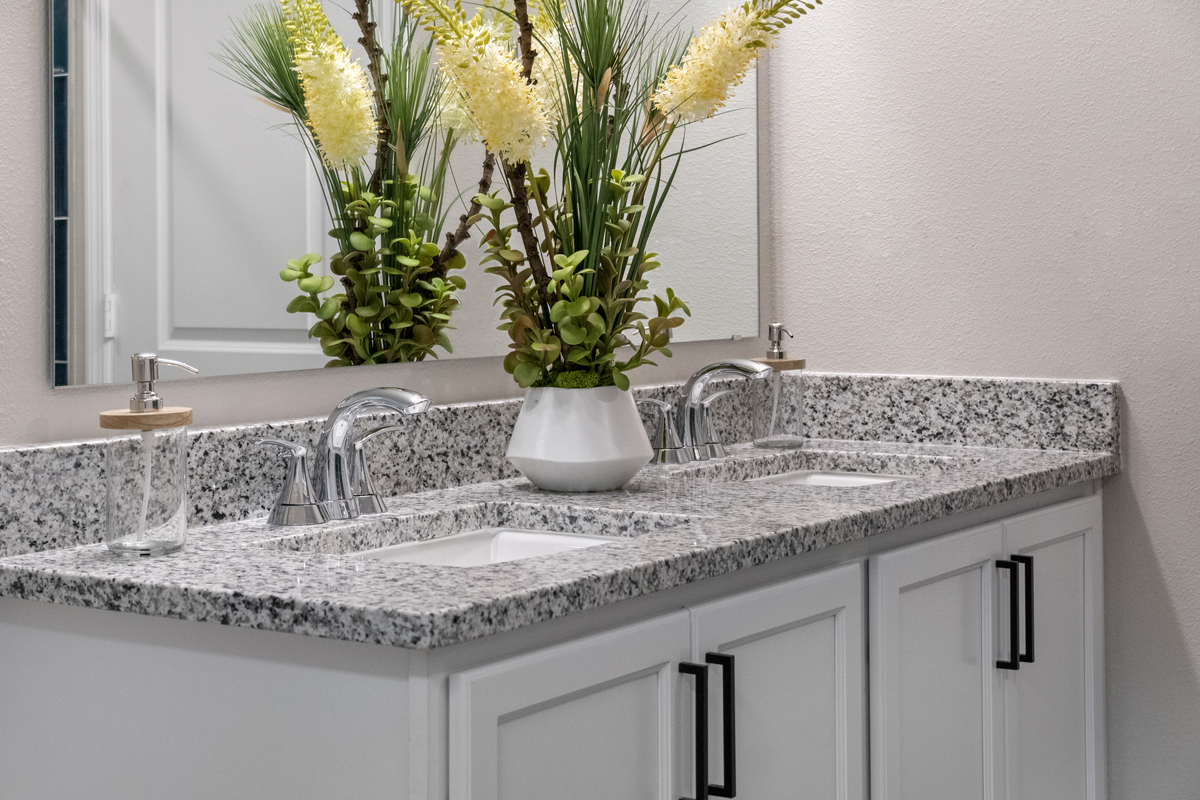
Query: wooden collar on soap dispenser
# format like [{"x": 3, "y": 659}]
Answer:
[{"x": 122, "y": 419}]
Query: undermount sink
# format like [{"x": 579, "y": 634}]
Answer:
[
  {"x": 830, "y": 478},
  {"x": 487, "y": 546},
  {"x": 831, "y": 466},
  {"x": 470, "y": 535}
]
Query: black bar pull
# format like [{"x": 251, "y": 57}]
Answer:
[
  {"x": 1027, "y": 562},
  {"x": 728, "y": 719},
  {"x": 701, "y": 673},
  {"x": 1014, "y": 614}
]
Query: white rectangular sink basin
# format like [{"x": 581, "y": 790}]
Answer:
[
  {"x": 828, "y": 478},
  {"x": 486, "y": 546}
]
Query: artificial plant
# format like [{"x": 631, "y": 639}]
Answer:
[
  {"x": 380, "y": 140},
  {"x": 612, "y": 88}
]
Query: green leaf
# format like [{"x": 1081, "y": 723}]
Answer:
[
  {"x": 313, "y": 283},
  {"x": 527, "y": 374},
  {"x": 571, "y": 333},
  {"x": 301, "y": 304},
  {"x": 357, "y": 326},
  {"x": 620, "y": 381},
  {"x": 361, "y": 242},
  {"x": 411, "y": 300},
  {"x": 289, "y": 274},
  {"x": 330, "y": 307},
  {"x": 514, "y": 256},
  {"x": 580, "y": 307},
  {"x": 489, "y": 202},
  {"x": 304, "y": 262}
]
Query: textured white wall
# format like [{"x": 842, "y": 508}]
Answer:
[
  {"x": 30, "y": 411},
  {"x": 968, "y": 187}
]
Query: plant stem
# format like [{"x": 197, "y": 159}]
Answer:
[
  {"x": 662, "y": 145},
  {"x": 516, "y": 172},
  {"x": 541, "y": 207},
  {"x": 525, "y": 37},
  {"x": 463, "y": 232},
  {"x": 516, "y": 180},
  {"x": 362, "y": 15}
]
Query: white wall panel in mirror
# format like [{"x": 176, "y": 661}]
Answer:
[{"x": 189, "y": 195}]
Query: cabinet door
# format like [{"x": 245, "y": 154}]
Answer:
[
  {"x": 936, "y": 693},
  {"x": 588, "y": 720},
  {"x": 1056, "y": 701},
  {"x": 798, "y": 687}
]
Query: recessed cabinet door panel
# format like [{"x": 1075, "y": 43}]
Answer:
[
  {"x": 589, "y": 720},
  {"x": 1056, "y": 701},
  {"x": 936, "y": 717},
  {"x": 798, "y": 665}
]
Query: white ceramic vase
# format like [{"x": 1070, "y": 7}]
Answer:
[{"x": 579, "y": 440}]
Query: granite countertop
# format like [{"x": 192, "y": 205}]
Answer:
[{"x": 669, "y": 528}]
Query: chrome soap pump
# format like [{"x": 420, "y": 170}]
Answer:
[
  {"x": 778, "y": 413},
  {"x": 146, "y": 509}
]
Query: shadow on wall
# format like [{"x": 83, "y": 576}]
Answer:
[{"x": 1152, "y": 684}]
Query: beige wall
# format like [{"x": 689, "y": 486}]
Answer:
[
  {"x": 957, "y": 187},
  {"x": 983, "y": 188}
]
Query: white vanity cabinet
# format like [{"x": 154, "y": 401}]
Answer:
[
  {"x": 588, "y": 720},
  {"x": 798, "y": 686},
  {"x": 1055, "y": 704},
  {"x": 955, "y": 712},
  {"x": 604, "y": 705},
  {"x": 614, "y": 715}
]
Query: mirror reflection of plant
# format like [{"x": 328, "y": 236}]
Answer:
[
  {"x": 612, "y": 88},
  {"x": 396, "y": 292}
]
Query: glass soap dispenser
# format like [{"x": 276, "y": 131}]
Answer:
[
  {"x": 146, "y": 512},
  {"x": 778, "y": 409}
]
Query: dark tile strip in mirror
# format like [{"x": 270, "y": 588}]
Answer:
[{"x": 53, "y": 495}]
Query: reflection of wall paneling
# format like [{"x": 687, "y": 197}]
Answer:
[{"x": 194, "y": 203}]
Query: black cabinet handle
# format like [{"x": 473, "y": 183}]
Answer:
[
  {"x": 728, "y": 720},
  {"x": 701, "y": 673},
  {"x": 1014, "y": 613},
  {"x": 1027, "y": 562}
]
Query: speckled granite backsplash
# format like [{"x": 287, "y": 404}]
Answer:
[{"x": 52, "y": 496}]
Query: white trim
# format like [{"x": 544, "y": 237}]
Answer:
[
  {"x": 162, "y": 172},
  {"x": 97, "y": 187},
  {"x": 244, "y": 347}
]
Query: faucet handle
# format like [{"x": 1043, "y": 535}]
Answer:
[
  {"x": 369, "y": 501},
  {"x": 297, "y": 502},
  {"x": 712, "y": 444},
  {"x": 372, "y": 434},
  {"x": 667, "y": 448}
]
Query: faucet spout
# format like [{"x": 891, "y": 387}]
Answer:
[
  {"x": 694, "y": 414},
  {"x": 335, "y": 450}
]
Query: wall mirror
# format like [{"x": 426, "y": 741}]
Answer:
[{"x": 178, "y": 198}]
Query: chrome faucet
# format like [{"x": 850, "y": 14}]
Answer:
[
  {"x": 696, "y": 431},
  {"x": 340, "y": 468}
]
